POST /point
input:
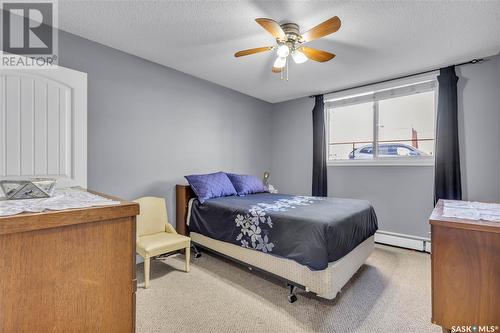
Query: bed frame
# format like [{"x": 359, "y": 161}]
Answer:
[{"x": 325, "y": 283}]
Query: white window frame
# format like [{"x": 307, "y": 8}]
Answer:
[{"x": 375, "y": 93}]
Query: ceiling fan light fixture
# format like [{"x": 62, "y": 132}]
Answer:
[
  {"x": 283, "y": 51},
  {"x": 298, "y": 57},
  {"x": 280, "y": 62},
  {"x": 289, "y": 43}
]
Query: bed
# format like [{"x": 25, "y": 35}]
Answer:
[{"x": 312, "y": 243}]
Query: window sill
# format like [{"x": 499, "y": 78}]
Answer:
[{"x": 428, "y": 162}]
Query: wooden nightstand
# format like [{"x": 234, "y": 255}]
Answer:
[{"x": 183, "y": 193}]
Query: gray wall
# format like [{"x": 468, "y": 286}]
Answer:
[
  {"x": 402, "y": 195},
  {"x": 479, "y": 107},
  {"x": 149, "y": 125}
]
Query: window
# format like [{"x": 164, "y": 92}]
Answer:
[{"x": 388, "y": 126}]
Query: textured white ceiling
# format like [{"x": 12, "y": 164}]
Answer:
[{"x": 377, "y": 40}]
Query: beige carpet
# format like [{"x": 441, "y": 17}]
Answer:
[{"x": 391, "y": 293}]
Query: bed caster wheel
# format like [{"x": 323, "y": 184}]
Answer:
[
  {"x": 291, "y": 293},
  {"x": 197, "y": 252}
]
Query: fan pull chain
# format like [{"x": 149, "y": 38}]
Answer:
[
  {"x": 287, "y": 69},
  {"x": 284, "y": 72}
]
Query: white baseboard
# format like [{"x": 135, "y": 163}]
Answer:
[
  {"x": 402, "y": 240},
  {"x": 428, "y": 247}
]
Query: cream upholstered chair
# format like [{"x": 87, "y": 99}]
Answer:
[{"x": 155, "y": 235}]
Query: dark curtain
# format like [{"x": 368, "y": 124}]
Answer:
[
  {"x": 447, "y": 181},
  {"x": 319, "y": 184}
]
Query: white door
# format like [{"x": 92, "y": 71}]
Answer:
[{"x": 43, "y": 125}]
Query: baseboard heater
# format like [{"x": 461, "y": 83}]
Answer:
[{"x": 402, "y": 240}]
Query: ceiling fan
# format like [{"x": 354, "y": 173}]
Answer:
[{"x": 289, "y": 41}]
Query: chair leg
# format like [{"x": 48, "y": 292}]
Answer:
[
  {"x": 146, "y": 272},
  {"x": 187, "y": 253}
]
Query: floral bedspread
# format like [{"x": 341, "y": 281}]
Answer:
[{"x": 310, "y": 230}]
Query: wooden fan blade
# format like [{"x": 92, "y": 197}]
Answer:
[
  {"x": 272, "y": 27},
  {"x": 277, "y": 70},
  {"x": 317, "y": 55},
  {"x": 322, "y": 29},
  {"x": 252, "y": 51}
]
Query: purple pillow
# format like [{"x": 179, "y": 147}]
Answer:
[
  {"x": 212, "y": 185},
  {"x": 245, "y": 184}
]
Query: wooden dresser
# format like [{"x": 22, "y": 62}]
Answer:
[
  {"x": 69, "y": 271},
  {"x": 465, "y": 272}
]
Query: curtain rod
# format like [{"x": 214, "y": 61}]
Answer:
[{"x": 473, "y": 61}]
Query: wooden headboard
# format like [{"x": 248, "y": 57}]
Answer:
[{"x": 183, "y": 194}]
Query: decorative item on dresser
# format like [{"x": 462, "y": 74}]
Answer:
[
  {"x": 28, "y": 189},
  {"x": 465, "y": 271},
  {"x": 69, "y": 271}
]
